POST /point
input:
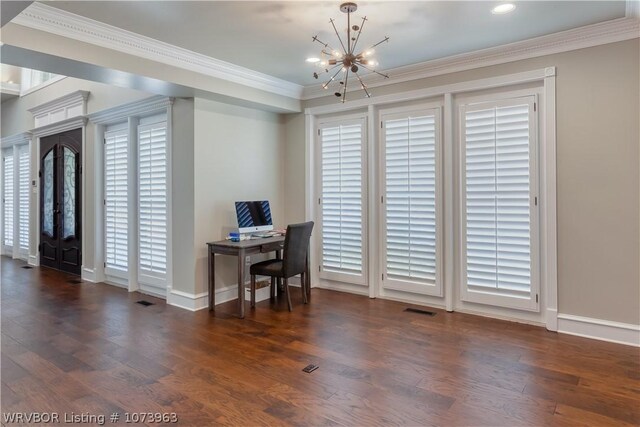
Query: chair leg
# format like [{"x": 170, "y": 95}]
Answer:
[
  {"x": 253, "y": 290},
  {"x": 273, "y": 287},
  {"x": 286, "y": 291},
  {"x": 303, "y": 286}
]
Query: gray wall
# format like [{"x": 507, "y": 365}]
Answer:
[
  {"x": 598, "y": 182},
  {"x": 16, "y": 118},
  {"x": 182, "y": 193},
  {"x": 239, "y": 155}
]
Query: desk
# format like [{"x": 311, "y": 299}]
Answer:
[{"x": 241, "y": 249}]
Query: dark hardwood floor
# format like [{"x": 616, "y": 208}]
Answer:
[{"x": 87, "y": 348}]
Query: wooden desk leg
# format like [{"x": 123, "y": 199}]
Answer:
[
  {"x": 307, "y": 276},
  {"x": 241, "y": 283},
  {"x": 279, "y": 288},
  {"x": 212, "y": 280}
]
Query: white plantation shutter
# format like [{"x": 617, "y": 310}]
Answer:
[
  {"x": 7, "y": 196},
  {"x": 23, "y": 198},
  {"x": 410, "y": 209},
  {"x": 499, "y": 187},
  {"x": 342, "y": 201},
  {"x": 116, "y": 190},
  {"x": 152, "y": 202}
]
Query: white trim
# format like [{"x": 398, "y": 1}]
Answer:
[
  {"x": 408, "y": 285},
  {"x": 548, "y": 202},
  {"x": 56, "y": 21},
  {"x": 33, "y": 261},
  {"x": 41, "y": 85},
  {"x": 448, "y": 175},
  {"x": 499, "y": 297},
  {"x": 61, "y": 126},
  {"x": 361, "y": 119},
  {"x": 373, "y": 186},
  {"x": 88, "y": 275},
  {"x": 195, "y": 302},
  {"x": 7, "y": 88},
  {"x": 187, "y": 301},
  {"x": 137, "y": 108},
  {"x": 604, "y": 330},
  {"x": 17, "y": 139},
  {"x": 60, "y": 109},
  {"x": 454, "y": 88},
  {"x": 612, "y": 31}
]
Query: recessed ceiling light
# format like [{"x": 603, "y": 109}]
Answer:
[
  {"x": 313, "y": 60},
  {"x": 503, "y": 8}
]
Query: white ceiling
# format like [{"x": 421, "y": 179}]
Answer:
[{"x": 275, "y": 37}]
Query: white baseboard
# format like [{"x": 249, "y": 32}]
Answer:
[
  {"x": 33, "y": 261},
  {"x": 604, "y": 330},
  {"x": 88, "y": 275},
  {"x": 187, "y": 301},
  {"x": 552, "y": 320},
  {"x": 229, "y": 293}
]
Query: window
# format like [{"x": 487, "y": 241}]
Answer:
[
  {"x": 116, "y": 209},
  {"x": 32, "y": 80},
  {"x": 410, "y": 214},
  {"x": 152, "y": 202},
  {"x": 499, "y": 203},
  {"x": 343, "y": 212},
  {"x": 7, "y": 198},
  {"x": 23, "y": 199}
]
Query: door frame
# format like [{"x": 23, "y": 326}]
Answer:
[{"x": 53, "y": 129}]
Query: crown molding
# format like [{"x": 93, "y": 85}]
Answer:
[
  {"x": 56, "y": 21},
  {"x": 63, "y": 101},
  {"x": 121, "y": 112},
  {"x": 18, "y": 139},
  {"x": 61, "y": 126},
  {"x": 579, "y": 38}
]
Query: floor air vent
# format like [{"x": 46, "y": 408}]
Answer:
[
  {"x": 27, "y": 267},
  {"x": 74, "y": 281},
  {"x": 145, "y": 303},
  {"x": 417, "y": 310}
]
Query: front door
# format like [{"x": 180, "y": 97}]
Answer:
[{"x": 60, "y": 218}]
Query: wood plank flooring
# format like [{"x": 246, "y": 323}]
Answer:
[{"x": 88, "y": 348}]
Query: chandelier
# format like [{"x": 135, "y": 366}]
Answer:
[{"x": 347, "y": 60}]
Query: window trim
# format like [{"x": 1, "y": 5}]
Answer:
[
  {"x": 350, "y": 279},
  {"x": 436, "y": 289},
  {"x": 131, "y": 113},
  {"x": 546, "y": 86},
  {"x": 474, "y": 103}
]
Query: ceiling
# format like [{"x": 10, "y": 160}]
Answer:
[{"x": 275, "y": 37}]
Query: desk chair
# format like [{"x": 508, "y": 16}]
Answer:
[{"x": 293, "y": 262}]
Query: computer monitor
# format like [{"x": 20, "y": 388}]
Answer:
[{"x": 254, "y": 216}]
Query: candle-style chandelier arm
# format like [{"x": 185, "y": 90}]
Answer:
[
  {"x": 364, "y": 86},
  {"x": 344, "y": 90},
  {"x": 326, "y": 85},
  {"x": 355, "y": 43},
  {"x": 374, "y": 71},
  {"x": 326, "y": 45},
  {"x": 337, "y": 34}
]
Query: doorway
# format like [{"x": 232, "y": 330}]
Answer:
[{"x": 60, "y": 204}]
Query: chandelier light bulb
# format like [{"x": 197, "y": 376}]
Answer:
[
  {"x": 503, "y": 8},
  {"x": 369, "y": 52},
  {"x": 313, "y": 60}
]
